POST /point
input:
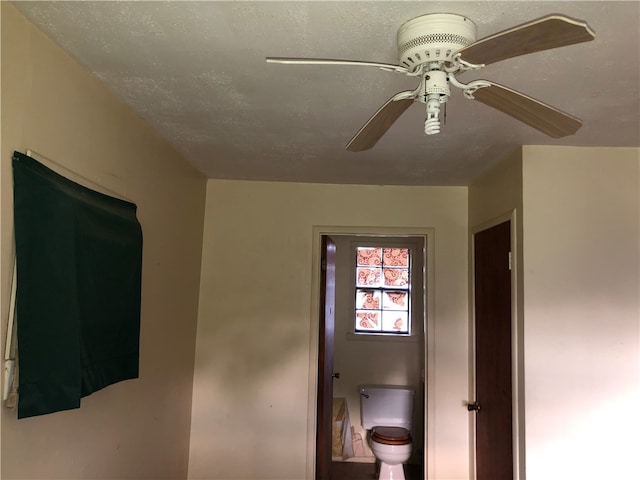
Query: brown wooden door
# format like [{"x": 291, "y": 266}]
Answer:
[
  {"x": 492, "y": 277},
  {"x": 325, "y": 358}
]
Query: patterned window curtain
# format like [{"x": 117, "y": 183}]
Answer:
[{"x": 79, "y": 263}]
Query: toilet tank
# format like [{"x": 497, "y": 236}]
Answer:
[{"x": 388, "y": 406}]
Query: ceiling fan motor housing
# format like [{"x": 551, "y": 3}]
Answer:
[{"x": 434, "y": 37}]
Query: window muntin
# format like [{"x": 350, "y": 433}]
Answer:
[{"x": 382, "y": 293}]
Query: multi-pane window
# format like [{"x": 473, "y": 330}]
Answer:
[{"x": 382, "y": 290}]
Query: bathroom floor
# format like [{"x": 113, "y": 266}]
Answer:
[{"x": 367, "y": 471}]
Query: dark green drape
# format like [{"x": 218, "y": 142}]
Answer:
[{"x": 79, "y": 260}]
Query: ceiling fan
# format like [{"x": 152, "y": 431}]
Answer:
[{"x": 435, "y": 48}]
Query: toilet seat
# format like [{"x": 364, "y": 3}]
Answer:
[{"x": 391, "y": 435}]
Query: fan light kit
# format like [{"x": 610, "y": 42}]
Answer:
[{"x": 435, "y": 48}]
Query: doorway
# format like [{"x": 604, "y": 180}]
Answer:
[
  {"x": 346, "y": 360},
  {"x": 493, "y": 334}
]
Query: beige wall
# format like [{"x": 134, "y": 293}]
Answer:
[
  {"x": 139, "y": 428},
  {"x": 497, "y": 193},
  {"x": 582, "y": 305},
  {"x": 254, "y": 378},
  {"x": 577, "y": 277}
]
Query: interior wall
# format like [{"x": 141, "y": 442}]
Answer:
[
  {"x": 139, "y": 428},
  {"x": 377, "y": 360},
  {"x": 497, "y": 192},
  {"x": 582, "y": 279},
  {"x": 253, "y": 414}
]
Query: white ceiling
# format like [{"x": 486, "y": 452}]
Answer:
[{"x": 196, "y": 72}]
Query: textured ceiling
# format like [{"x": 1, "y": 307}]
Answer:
[{"x": 196, "y": 72}]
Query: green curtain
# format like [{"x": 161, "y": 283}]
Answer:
[{"x": 79, "y": 260}]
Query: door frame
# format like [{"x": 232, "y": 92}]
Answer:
[
  {"x": 429, "y": 365},
  {"x": 517, "y": 343}
]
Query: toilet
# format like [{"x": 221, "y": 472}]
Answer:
[{"x": 387, "y": 413}]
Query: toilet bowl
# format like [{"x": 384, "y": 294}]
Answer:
[
  {"x": 386, "y": 413},
  {"x": 392, "y": 447}
]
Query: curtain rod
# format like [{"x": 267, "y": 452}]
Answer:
[{"x": 93, "y": 183}]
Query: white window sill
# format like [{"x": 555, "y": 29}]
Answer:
[{"x": 368, "y": 337}]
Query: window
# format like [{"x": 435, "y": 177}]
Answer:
[
  {"x": 382, "y": 290},
  {"x": 79, "y": 266}
]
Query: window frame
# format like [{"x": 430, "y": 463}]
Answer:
[{"x": 415, "y": 270}]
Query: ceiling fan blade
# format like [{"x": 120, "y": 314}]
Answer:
[
  {"x": 548, "y": 32},
  {"x": 380, "y": 122},
  {"x": 333, "y": 61},
  {"x": 534, "y": 113}
]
